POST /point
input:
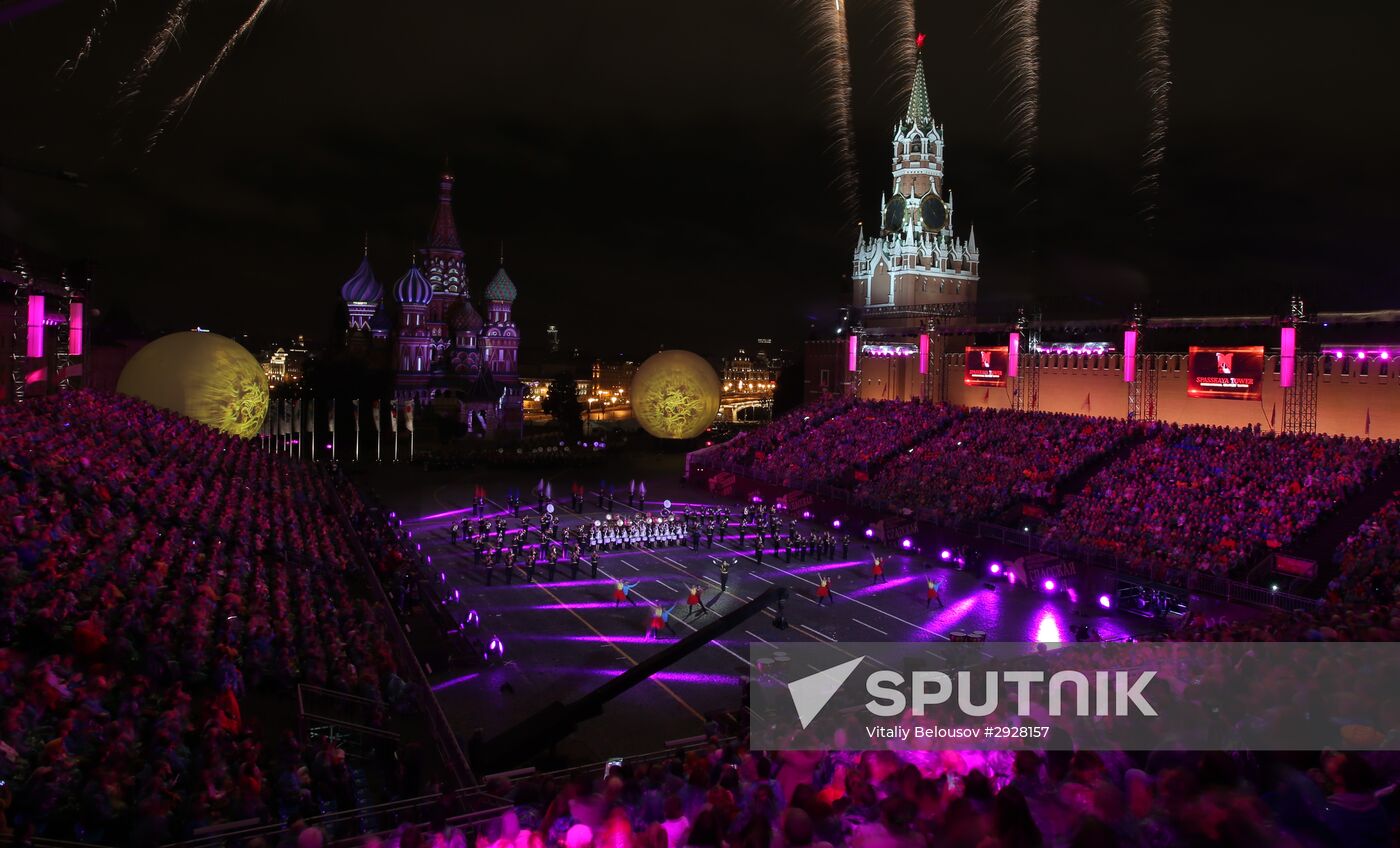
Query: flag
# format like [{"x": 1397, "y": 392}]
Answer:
[
  {"x": 987, "y": 396},
  {"x": 355, "y": 407},
  {"x": 1087, "y": 404},
  {"x": 330, "y": 417},
  {"x": 311, "y": 415},
  {"x": 549, "y": 490},
  {"x": 374, "y": 413},
  {"x": 286, "y": 416},
  {"x": 296, "y": 416},
  {"x": 1273, "y": 410},
  {"x": 394, "y": 415},
  {"x": 1368, "y": 420},
  {"x": 408, "y": 415}
]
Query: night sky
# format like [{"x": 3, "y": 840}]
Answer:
[{"x": 661, "y": 173}]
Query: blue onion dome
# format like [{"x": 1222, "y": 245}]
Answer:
[
  {"x": 362, "y": 287},
  {"x": 501, "y": 288},
  {"x": 465, "y": 318},
  {"x": 413, "y": 287}
]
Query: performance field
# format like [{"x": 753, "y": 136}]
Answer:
[{"x": 563, "y": 630}]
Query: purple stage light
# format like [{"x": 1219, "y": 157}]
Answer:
[
  {"x": 1049, "y": 585},
  {"x": 906, "y": 543},
  {"x": 836, "y": 523},
  {"x": 995, "y": 568},
  {"x": 1011, "y": 577},
  {"x": 807, "y": 515},
  {"x": 442, "y": 576},
  {"x": 869, "y": 533},
  {"x": 456, "y": 594},
  {"x": 945, "y": 554},
  {"x": 1105, "y": 601},
  {"x": 454, "y": 681}
]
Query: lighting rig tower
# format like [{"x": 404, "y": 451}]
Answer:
[
  {"x": 1297, "y": 374},
  {"x": 1142, "y": 387},
  {"x": 19, "y": 336}
]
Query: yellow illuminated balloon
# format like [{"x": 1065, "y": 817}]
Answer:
[
  {"x": 675, "y": 395},
  {"x": 209, "y": 378}
]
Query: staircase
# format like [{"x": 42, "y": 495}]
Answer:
[
  {"x": 1074, "y": 483},
  {"x": 1320, "y": 544}
]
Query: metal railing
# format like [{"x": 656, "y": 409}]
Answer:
[
  {"x": 441, "y": 730},
  {"x": 476, "y": 805}
]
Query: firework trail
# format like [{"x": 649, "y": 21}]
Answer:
[
  {"x": 182, "y": 103},
  {"x": 171, "y": 30},
  {"x": 94, "y": 35},
  {"x": 832, "y": 41},
  {"x": 1157, "y": 82},
  {"x": 1018, "y": 20},
  {"x": 900, "y": 29}
]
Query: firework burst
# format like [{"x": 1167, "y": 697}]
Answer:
[
  {"x": 1155, "y": 44},
  {"x": 1019, "y": 24},
  {"x": 180, "y": 104},
  {"x": 825, "y": 21},
  {"x": 899, "y": 29},
  {"x": 169, "y": 32},
  {"x": 94, "y": 35}
]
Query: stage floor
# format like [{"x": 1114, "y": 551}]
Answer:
[{"x": 563, "y": 638}]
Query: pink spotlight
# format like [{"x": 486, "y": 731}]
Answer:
[
  {"x": 1288, "y": 342},
  {"x": 1129, "y": 355},
  {"x": 1385, "y": 354},
  {"x": 945, "y": 554},
  {"x": 1105, "y": 601},
  {"x": 1049, "y": 585},
  {"x": 996, "y": 568}
]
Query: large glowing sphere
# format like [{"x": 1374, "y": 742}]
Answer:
[
  {"x": 209, "y": 378},
  {"x": 675, "y": 395}
]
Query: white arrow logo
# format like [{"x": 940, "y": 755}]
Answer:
[{"x": 812, "y": 692}]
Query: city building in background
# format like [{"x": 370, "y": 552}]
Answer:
[
  {"x": 443, "y": 351},
  {"x": 286, "y": 364}
]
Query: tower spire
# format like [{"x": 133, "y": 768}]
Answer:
[
  {"x": 444, "y": 228},
  {"x": 919, "y": 113}
]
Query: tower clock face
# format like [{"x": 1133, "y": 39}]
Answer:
[
  {"x": 894, "y": 214},
  {"x": 933, "y": 213}
]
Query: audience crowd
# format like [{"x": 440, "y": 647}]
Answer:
[
  {"x": 1369, "y": 560},
  {"x": 1213, "y": 498},
  {"x": 727, "y": 796},
  {"x": 154, "y": 576},
  {"x": 987, "y": 459},
  {"x": 748, "y": 452},
  {"x": 846, "y": 445}
]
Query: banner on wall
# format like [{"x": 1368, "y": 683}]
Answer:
[
  {"x": 985, "y": 366},
  {"x": 1229, "y": 373}
]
